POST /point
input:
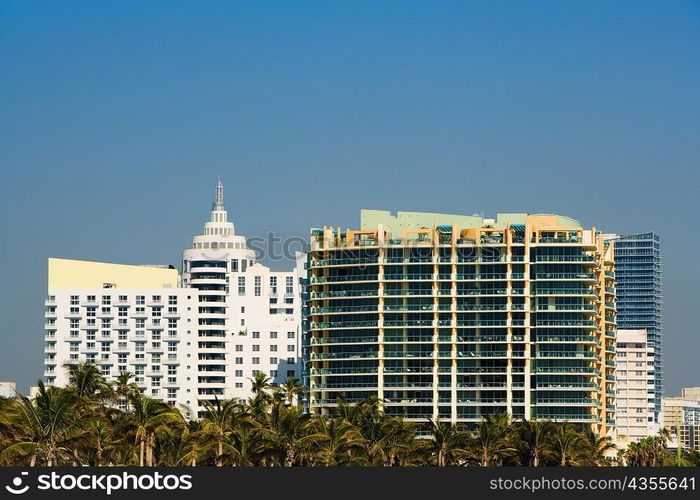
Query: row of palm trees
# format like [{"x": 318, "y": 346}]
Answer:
[{"x": 83, "y": 424}]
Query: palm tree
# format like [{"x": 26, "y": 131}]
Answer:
[
  {"x": 293, "y": 390},
  {"x": 88, "y": 382},
  {"x": 335, "y": 439},
  {"x": 532, "y": 439},
  {"x": 45, "y": 425},
  {"x": 647, "y": 452},
  {"x": 395, "y": 444},
  {"x": 597, "y": 447},
  {"x": 218, "y": 423},
  {"x": 448, "y": 442},
  {"x": 491, "y": 442},
  {"x": 124, "y": 388},
  {"x": 150, "y": 417},
  {"x": 568, "y": 446},
  {"x": 290, "y": 432},
  {"x": 260, "y": 385},
  {"x": 245, "y": 446}
]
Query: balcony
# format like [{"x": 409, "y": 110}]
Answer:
[
  {"x": 566, "y": 323},
  {"x": 564, "y": 291},
  {"x": 566, "y": 276},
  {"x": 343, "y": 340},
  {"x": 342, "y": 262},
  {"x": 565, "y": 258},
  {"x": 344, "y": 279},
  {"x": 343, "y": 325},
  {"x": 342, "y": 355},
  {"x": 408, "y": 277}
]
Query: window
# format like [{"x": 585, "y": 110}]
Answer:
[
  {"x": 241, "y": 285},
  {"x": 239, "y": 361},
  {"x": 239, "y": 347},
  {"x": 290, "y": 373},
  {"x": 239, "y": 373},
  {"x": 256, "y": 335},
  {"x": 256, "y": 361},
  {"x": 290, "y": 361},
  {"x": 273, "y": 361},
  {"x": 155, "y": 298},
  {"x": 106, "y": 300},
  {"x": 273, "y": 348},
  {"x": 273, "y": 285},
  {"x": 242, "y": 309},
  {"x": 258, "y": 286},
  {"x": 273, "y": 335},
  {"x": 234, "y": 265},
  {"x": 140, "y": 300},
  {"x": 290, "y": 348},
  {"x": 289, "y": 288},
  {"x": 290, "y": 335},
  {"x": 172, "y": 300},
  {"x": 256, "y": 347}
]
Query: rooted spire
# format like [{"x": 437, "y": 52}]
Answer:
[{"x": 219, "y": 196}]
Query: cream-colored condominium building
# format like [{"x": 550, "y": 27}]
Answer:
[
  {"x": 7, "y": 389},
  {"x": 683, "y": 413},
  {"x": 188, "y": 338},
  {"x": 459, "y": 316},
  {"x": 635, "y": 387}
]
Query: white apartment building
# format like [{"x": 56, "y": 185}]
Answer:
[
  {"x": 682, "y": 413},
  {"x": 187, "y": 339},
  {"x": 7, "y": 389},
  {"x": 635, "y": 387}
]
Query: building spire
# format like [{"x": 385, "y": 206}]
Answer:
[{"x": 218, "y": 196}]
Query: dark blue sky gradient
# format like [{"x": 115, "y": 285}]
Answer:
[{"x": 117, "y": 117}]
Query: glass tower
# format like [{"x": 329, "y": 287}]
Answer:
[{"x": 640, "y": 298}]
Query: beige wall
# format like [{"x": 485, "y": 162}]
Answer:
[{"x": 71, "y": 274}]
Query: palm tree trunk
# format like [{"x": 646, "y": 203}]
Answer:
[
  {"x": 149, "y": 450},
  {"x": 220, "y": 451},
  {"x": 141, "y": 451}
]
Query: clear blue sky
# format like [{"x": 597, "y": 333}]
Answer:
[{"x": 117, "y": 117}]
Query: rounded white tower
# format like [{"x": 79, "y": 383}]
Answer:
[{"x": 207, "y": 267}]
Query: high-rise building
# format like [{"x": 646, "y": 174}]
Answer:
[
  {"x": 640, "y": 298},
  {"x": 186, "y": 339},
  {"x": 459, "y": 316},
  {"x": 682, "y": 414},
  {"x": 635, "y": 387},
  {"x": 7, "y": 389}
]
